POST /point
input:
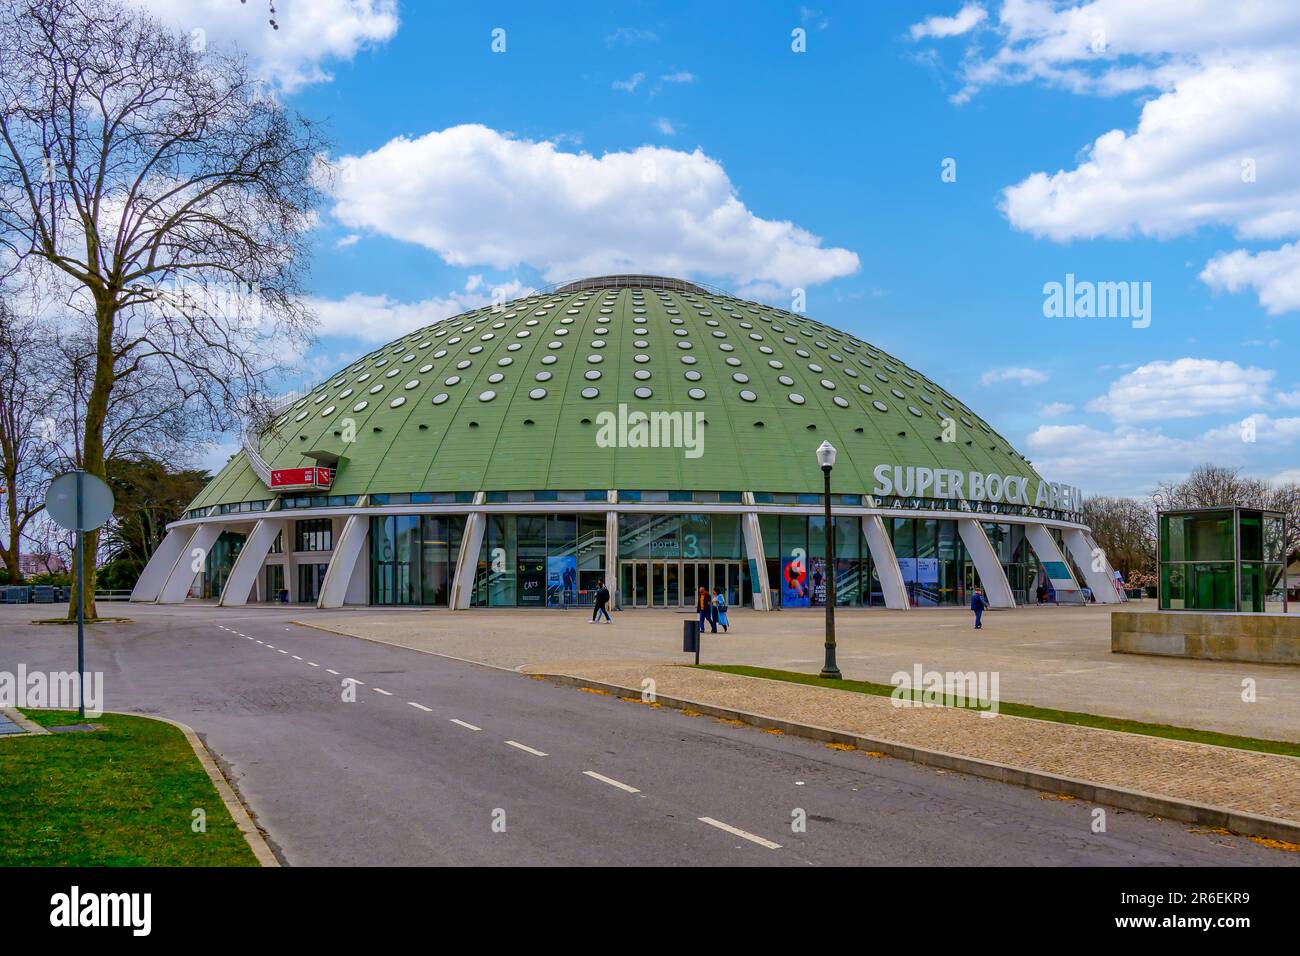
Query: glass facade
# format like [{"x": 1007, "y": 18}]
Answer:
[
  {"x": 1016, "y": 556},
  {"x": 936, "y": 570},
  {"x": 413, "y": 558},
  {"x": 664, "y": 559},
  {"x": 317, "y": 534},
  {"x": 557, "y": 559},
  {"x": 220, "y": 559},
  {"x": 1221, "y": 560},
  {"x": 540, "y": 560},
  {"x": 794, "y": 547}
]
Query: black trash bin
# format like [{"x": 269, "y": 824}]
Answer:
[{"x": 691, "y": 638}]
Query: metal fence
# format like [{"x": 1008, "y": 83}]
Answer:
[{"x": 51, "y": 594}]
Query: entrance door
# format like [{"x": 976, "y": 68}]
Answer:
[
  {"x": 635, "y": 584},
  {"x": 310, "y": 578},
  {"x": 274, "y": 582}
]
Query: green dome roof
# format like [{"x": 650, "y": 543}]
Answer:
[{"x": 510, "y": 399}]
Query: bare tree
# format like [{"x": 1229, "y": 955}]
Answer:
[
  {"x": 1213, "y": 486},
  {"x": 25, "y": 446},
  {"x": 171, "y": 191},
  {"x": 1125, "y": 530}
]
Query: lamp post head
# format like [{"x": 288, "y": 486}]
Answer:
[{"x": 826, "y": 455}]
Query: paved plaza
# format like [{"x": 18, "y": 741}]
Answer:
[{"x": 1051, "y": 657}]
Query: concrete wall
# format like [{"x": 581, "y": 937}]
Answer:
[{"x": 1208, "y": 635}]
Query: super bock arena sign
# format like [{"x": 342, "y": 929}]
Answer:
[{"x": 948, "y": 483}]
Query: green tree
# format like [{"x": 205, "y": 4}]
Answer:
[{"x": 146, "y": 496}]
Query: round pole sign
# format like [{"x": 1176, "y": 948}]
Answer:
[{"x": 96, "y": 501}]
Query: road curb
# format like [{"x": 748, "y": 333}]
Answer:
[
  {"x": 234, "y": 806},
  {"x": 1202, "y": 814}
]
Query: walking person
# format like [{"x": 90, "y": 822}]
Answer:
[
  {"x": 704, "y": 607},
  {"x": 720, "y": 609},
  {"x": 600, "y": 604},
  {"x": 977, "y": 604}
]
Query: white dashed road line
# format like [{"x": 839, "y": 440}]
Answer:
[
  {"x": 281, "y": 651},
  {"x": 609, "y": 780},
  {"x": 740, "y": 833},
  {"x": 380, "y": 690},
  {"x": 526, "y": 749},
  {"x": 427, "y": 710},
  {"x": 460, "y": 723},
  {"x": 296, "y": 657},
  {"x": 332, "y": 671},
  {"x": 312, "y": 664}
]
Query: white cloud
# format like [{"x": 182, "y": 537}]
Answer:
[
  {"x": 1214, "y": 146},
  {"x": 378, "y": 318},
  {"x": 311, "y": 34},
  {"x": 1289, "y": 399},
  {"x": 1273, "y": 275},
  {"x": 349, "y": 240},
  {"x": 1128, "y": 460},
  {"x": 478, "y": 197},
  {"x": 665, "y": 126},
  {"x": 967, "y": 18},
  {"x": 1183, "y": 388},
  {"x": 630, "y": 84},
  {"x": 1055, "y": 409},
  {"x": 1182, "y": 167},
  {"x": 1021, "y": 376},
  {"x": 681, "y": 76}
]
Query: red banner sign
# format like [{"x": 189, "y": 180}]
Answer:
[{"x": 286, "y": 479}]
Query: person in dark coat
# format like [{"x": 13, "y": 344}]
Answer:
[
  {"x": 600, "y": 604},
  {"x": 977, "y": 604},
  {"x": 704, "y": 607}
]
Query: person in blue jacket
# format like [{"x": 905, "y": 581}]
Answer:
[{"x": 977, "y": 604}]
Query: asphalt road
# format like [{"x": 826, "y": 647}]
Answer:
[{"x": 439, "y": 761}]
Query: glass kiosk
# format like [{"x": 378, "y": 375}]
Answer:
[{"x": 1222, "y": 559}]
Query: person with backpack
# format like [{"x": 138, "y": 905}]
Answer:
[
  {"x": 600, "y": 604},
  {"x": 977, "y": 604},
  {"x": 720, "y": 609}
]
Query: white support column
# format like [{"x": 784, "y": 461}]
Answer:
[
  {"x": 611, "y": 551},
  {"x": 1102, "y": 582},
  {"x": 992, "y": 577},
  {"x": 471, "y": 542},
  {"x": 760, "y": 584},
  {"x": 1120, "y": 596},
  {"x": 886, "y": 562},
  {"x": 1045, "y": 548},
  {"x": 248, "y": 565},
  {"x": 162, "y": 563},
  {"x": 349, "y": 546},
  {"x": 177, "y": 586}
]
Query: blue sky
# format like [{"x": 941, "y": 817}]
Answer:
[{"x": 463, "y": 170}]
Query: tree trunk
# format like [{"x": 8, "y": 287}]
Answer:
[
  {"x": 9, "y": 552},
  {"x": 92, "y": 443}
]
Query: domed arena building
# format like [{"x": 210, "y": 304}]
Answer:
[{"x": 645, "y": 431}]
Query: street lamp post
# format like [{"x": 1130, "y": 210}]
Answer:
[{"x": 826, "y": 459}]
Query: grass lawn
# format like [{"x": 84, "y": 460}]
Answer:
[
  {"x": 1282, "y": 747},
  {"x": 121, "y": 796}
]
